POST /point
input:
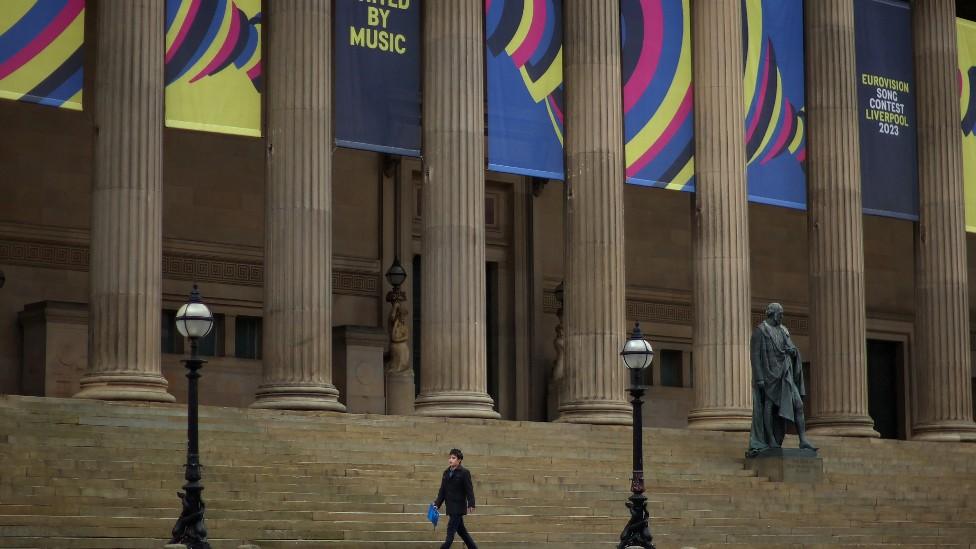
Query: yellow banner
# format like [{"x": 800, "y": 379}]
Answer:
[
  {"x": 966, "y": 37},
  {"x": 214, "y": 76},
  {"x": 41, "y": 51}
]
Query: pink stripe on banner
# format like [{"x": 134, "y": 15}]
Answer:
[
  {"x": 54, "y": 29},
  {"x": 679, "y": 118},
  {"x": 487, "y": 6},
  {"x": 761, "y": 99},
  {"x": 555, "y": 109},
  {"x": 191, "y": 15},
  {"x": 531, "y": 42},
  {"x": 650, "y": 53},
  {"x": 785, "y": 133},
  {"x": 226, "y": 49},
  {"x": 254, "y": 71},
  {"x": 801, "y": 156}
]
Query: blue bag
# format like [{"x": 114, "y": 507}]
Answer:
[{"x": 432, "y": 515}]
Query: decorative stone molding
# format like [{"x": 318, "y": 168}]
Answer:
[{"x": 350, "y": 276}]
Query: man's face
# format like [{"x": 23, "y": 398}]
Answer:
[
  {"x": 453, "y": 461},
  {"x": 776, "y": 317}
]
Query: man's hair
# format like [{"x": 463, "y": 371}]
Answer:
[
  {"x": 456, "y": 453},
  {"x": 773, "y": 308}
]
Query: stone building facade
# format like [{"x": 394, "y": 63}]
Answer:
[{"x": 108, "y": 218}]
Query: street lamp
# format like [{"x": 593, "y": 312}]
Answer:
[
  {"x": 3, "y": 278},
  {"x": 194, "y": 321},
  {"x": 637, "y": 355}
]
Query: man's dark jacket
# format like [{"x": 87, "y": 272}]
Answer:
[{"x": 457, "y": 491}]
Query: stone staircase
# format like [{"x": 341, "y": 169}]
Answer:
[{"x": 80, "y": 474}]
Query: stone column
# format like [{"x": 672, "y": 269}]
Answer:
[
  {"x": 838, "y": 363},
  {"x": 453, "y": 376},
  {"x": 595, "y": 286},
  {"x": 298, "y": 211},
  {"x": 720, "y": 223},
  {"x": 126, "y": 227},
  {"x": 942, "y": 368}
]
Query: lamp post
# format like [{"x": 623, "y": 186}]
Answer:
[
  {"x": 395, "y": 275},
  {"x": 194, "y": 321},
  {"x": 3, "y": 279},
  {"x": 637, "y": 355}
]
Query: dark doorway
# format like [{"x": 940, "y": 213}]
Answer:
[
  {"x": 416, "y": 325},
  {"x": 886, "y": 388},
  {"x": 491, "y": 329}
]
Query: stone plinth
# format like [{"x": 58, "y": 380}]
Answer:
[
  {"x": 787, "y": 465},
  {"x": 357, "y": 358},
  {"x": 55, "y": 348}
]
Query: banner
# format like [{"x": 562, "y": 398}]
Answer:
[
  {"x": 886, "y": 106},
  {"x": 524, "y": 71},
  {"x": 966, "y": 38},
  {"x": 773, "y": 90},
  {"x": 658, "y": 97},
  {"x": 213, "y": 72},
  {"x": 42, "y": 51},
  {"x": 377, "y": 75}
]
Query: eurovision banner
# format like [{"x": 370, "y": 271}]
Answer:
[
  {"x": 377, "y": 75},
  {"x": 657, "y": 93},
  {"x": 42, "y": 51},
  {"x": 886, "y": 106},
  {"x": 213, "y": 73},
  {"x": 524, "y": 71},
  {"x": 773, "y": 89},
  {"x": 966, "y": 38}
]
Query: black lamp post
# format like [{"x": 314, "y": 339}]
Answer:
[
  {"x": 194, "y": 321},
  {"x": 637, "y": 355},
  {"x": 395, "y": 276},
  {"x": 3, "y": 279}
]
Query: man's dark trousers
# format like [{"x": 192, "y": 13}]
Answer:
[{"x": 456, "y": 524}]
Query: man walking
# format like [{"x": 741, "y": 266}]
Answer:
[{"x": 458, "y": 492}]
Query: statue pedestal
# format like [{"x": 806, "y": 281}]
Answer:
[{"x": 787, "y": 465}]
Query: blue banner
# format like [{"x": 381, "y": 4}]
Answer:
[
  {"x": 377, "y": 75},
  {"x": 524, "y": 66},
  {"x": 886, "y": 100},
  {"x": 775, "y": 102}
]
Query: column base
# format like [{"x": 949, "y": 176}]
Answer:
[
  {"x": 842, "y": 426},
  {"x": 456, "y": 404},
  {"x": 945, "y": 431},
  {"x": 597, "y": 412},
  {"x": 399, "y": 394},
  {"x": 720, "y": 419},
  {"x": 119, "y": 386},
  {"x": 318, "y": 397}
]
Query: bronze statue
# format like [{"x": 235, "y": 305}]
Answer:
[{"x": 777, "y": 385}]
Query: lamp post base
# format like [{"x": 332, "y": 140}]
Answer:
[
  {"x": 190, "y": 529},
  {"x": 637, "y": 533}
]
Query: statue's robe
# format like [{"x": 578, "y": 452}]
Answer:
[{"x": 776, "y": 361}]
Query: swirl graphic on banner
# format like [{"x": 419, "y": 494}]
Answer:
[
  {"x": 967, "y": 93},
  {"x": 213, "y": 72},
  {"x": 529, "y": 32},
  {"x": 658, "y": 97},
  {"x": 200, "y": 25},
  {"x": 41, "y": 51},
  {"x": 774, "y": 125},
  {"x": 966, "y": 85}
]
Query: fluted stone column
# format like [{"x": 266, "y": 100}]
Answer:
[
  {"x": 838, "y": 363},
  {"x": 942, "y": 369},
  {"x": 723, "y": 395},
  {"x": 453, "y": 375},
  {"x": 298, "y": 211},
  {"x": 595, "y": 285},
  {"x": 126, "y": 224}
]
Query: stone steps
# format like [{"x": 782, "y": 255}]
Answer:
[{"x": 80, "y": 475}]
